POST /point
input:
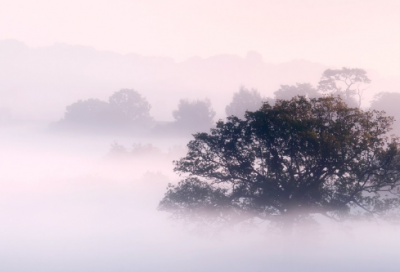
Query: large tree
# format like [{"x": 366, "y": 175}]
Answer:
[{"x": 287, "y": 162}]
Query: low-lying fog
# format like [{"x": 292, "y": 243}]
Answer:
[{"x": 70, "y": 204}]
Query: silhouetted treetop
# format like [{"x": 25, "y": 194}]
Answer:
[{"x": 286, "y": 162}]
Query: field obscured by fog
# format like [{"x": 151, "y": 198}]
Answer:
[{"x": 68, "y": 203}]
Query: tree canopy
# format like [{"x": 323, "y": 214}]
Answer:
[{"x": 287, "y": 162}]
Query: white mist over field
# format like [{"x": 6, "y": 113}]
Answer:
[{"x": 65, "y": 205}]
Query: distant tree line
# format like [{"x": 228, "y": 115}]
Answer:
[
  {"x": 125, "y": 110},
  {"x": 347, "y": 83},
  {"x": 128, "y": 111}
]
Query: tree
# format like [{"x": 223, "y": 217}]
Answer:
[
  {"x": 126, "y": 109},
  {"x": 91, "y": 112},
  {"x": 130, "y": 107},
  {"x": 348, "y": 83},
  {"x": 244, "y": 100},
  {"x": 196, "y": 114},
  {"x": 287, "y": 162}
]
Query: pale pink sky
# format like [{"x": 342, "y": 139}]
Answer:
[{"x": 353, "y": 33}]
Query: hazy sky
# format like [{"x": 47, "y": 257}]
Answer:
[{"x": 361, "y": 33}]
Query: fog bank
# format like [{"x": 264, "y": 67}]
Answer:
[{"x": 67, "y": 204}]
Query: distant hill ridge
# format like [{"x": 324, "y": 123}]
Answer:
[{"x": 38, "y": 83}]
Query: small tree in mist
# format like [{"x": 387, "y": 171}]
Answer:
[
  {"x": 286, "y": 162},
  {"x": 348, "y": 83},
  {"x": 90, "y": 113},
  {"x": 125, "y": 110},
  {"x": 244, "y": 100},
  {"x": 129, "y": 106},
  {"x": 196, "y": 114}
]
